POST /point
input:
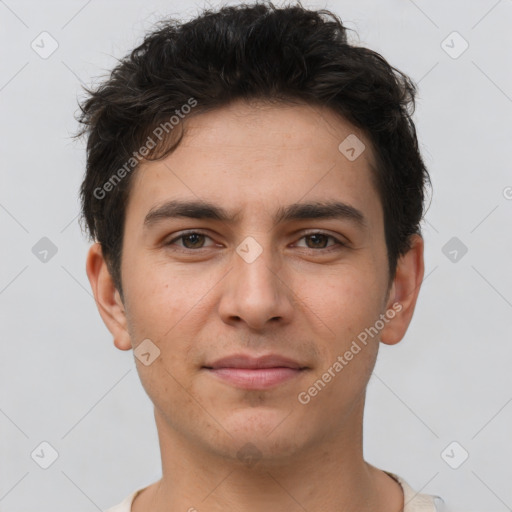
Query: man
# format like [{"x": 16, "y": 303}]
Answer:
[{"x": 255, "y": 189}]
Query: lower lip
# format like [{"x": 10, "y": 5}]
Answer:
[{"x": 255, "y": 378}]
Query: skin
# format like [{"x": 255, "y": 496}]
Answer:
[{"x": 303, "y": 297}]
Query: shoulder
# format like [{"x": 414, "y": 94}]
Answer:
[
  {"x": 415, "y": 501},
  {"x": 126, "y": 504}
]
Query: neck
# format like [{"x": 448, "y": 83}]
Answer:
[{"x": 328, "y": 475}]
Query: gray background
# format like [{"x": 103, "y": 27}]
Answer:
[{"x": 62, "y": 380}]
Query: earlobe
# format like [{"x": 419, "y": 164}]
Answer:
[
  {"x": 404, "y": 292},
  {"x": 107, "y": 297}
]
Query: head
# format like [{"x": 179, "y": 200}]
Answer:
[{"x": 254, "y": 185}]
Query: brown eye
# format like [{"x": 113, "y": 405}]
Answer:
[
  {"x": 319, "y": 241},
  {"x": 193, "y": 240}
]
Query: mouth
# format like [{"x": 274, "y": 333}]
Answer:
[{"x": 256, "y": 373}]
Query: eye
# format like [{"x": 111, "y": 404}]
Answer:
[
  {"x": 194, "y": 240},
  {"x": 319, "y": 240},
  {"x": 191, "y": 240}
]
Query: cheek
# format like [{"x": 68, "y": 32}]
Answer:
[
  {"x": 160, "y": 308},
  {"x": 167, "y": 306},
  {"x": 345, "y": 302},
  {"x": 158, "y": 298}
]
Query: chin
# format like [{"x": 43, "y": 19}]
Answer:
[{"x": 262, "y": 433}]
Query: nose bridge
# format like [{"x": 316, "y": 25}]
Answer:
[
  {"x": 254, "y": 268},
  {"x": 255, "y": 293}
]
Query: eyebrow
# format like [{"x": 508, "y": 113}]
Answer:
[{"x": 199, "y": 209}]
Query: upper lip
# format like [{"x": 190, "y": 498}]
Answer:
[{"x": 246, "y": 361}]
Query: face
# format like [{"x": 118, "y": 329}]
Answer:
[{"x": 256, "y": 273}]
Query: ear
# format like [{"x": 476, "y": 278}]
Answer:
[
  {"x": 404, "y": 292},
  {"x": 108, "y": 299}
]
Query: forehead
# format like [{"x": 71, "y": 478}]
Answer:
[
  {"x": 261, "y": 156},
  {"x": 274, "y": 129}
]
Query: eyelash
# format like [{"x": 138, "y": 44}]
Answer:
[{"x": 338, "y": 243}]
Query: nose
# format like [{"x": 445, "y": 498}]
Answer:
[{"x": 253, "y": 292}]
